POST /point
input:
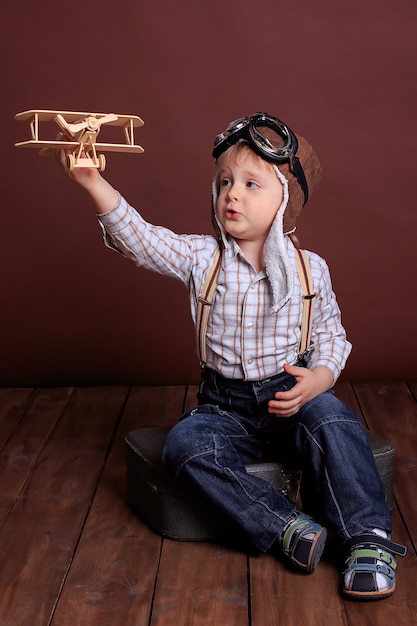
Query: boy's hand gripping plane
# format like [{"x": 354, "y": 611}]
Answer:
[{"x": 78, "y": 135}]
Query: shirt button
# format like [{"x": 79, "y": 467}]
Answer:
[
  {"x": 250, "y": 325},
  {"x": 250, "y": 361}
]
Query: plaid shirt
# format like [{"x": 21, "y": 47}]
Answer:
[{"x": 244, "y": 339}]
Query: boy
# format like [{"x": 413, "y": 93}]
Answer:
[{"x": 257, "y": 393}]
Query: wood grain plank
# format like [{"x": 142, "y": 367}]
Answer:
[
  {"x": 13, "y": 405},
  {"x": 22, "y": 450},
  {"x": 288, "y": 598},
  {"x": 201, "y": 584},
  {"x": 413, "y": 389},
  {"x": 191, "y": 397},
  {"x": 112, "y": 578},
  {"x": 391, "y": 411},
  {"x": 39, "y": 536},
  {"x": 72, "y": 552},
  {"x": 155, "y": 405},
  {"x": 345, "y": 393}
]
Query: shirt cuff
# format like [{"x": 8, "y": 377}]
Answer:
[
  {"x": 115, "y": 220},
  {"x": 334, "y": 368}
]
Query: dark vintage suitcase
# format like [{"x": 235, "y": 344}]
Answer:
[{"x": 178, "y": 512}]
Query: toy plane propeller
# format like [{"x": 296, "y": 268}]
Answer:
[
  {"x": 92, "y": 123},
  {"x": 80, "y": 135}
]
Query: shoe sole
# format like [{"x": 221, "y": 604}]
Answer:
[
  {"x": 316, "y": 550},
  {"x": 368, "y": 595}
]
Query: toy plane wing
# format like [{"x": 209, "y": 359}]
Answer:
[
  {"x": 74, "y": 116},
  {"x": 73, "y": 145},
  {"x": 79, "y": 132}
]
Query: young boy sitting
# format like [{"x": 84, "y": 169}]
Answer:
[{"x": 257, "y": 393}]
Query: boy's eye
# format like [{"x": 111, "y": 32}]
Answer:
[
  {"x": 225, "y": 182},
  {"x": 251, "y": 184}
]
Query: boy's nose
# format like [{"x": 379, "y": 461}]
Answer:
[{"x": 233, "y": 192}]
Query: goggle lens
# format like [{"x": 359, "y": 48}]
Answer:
[
  {"x": 233, "y": 127},
  {"x": 263, "y": 131}
]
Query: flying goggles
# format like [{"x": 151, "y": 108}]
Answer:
[{"x": 252, "y": 130}]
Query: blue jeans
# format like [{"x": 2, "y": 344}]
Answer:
[{"x": 231, "y": 427}]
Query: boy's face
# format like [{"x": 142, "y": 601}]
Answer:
[{"x": 249, "y": 196}]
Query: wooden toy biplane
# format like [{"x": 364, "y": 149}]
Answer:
[{"x": 78, "y": 135}]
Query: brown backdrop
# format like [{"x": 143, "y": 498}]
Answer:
[{"x": 342, "y": 74}]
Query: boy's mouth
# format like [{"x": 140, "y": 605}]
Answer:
[{"x": 230, "y": 213}]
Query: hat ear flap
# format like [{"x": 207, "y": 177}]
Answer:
[{"x": 312, "y": 171}]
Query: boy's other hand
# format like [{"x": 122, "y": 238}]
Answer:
[{"x": 310, "y": 383}]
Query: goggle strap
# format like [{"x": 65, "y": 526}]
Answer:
[{"x": 298, "y": 172}]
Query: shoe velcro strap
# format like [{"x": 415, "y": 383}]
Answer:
[
  {"x": 376, "y": 555},
  {"x": 369, "y": 568},
  {"x": 296, "y": 530},
  {"x": 370, "y": 540}
]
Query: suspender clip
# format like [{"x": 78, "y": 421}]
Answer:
[{"x": 204, "y": 301}]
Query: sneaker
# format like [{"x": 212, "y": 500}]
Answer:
[
  {"x": 302, "y": 541},
  {"x": 370, "y": 567}
]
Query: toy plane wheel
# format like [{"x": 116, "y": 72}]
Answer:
[
  {"x": 101, "y": 162},
  {"x": 70, "y": 162}
]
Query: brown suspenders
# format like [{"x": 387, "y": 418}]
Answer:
[
  {"x": 205, "y": 302},
  {"x": 306, "y": 280}
]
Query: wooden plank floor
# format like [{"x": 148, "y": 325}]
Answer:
[{"x": 72, "y": 553}]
